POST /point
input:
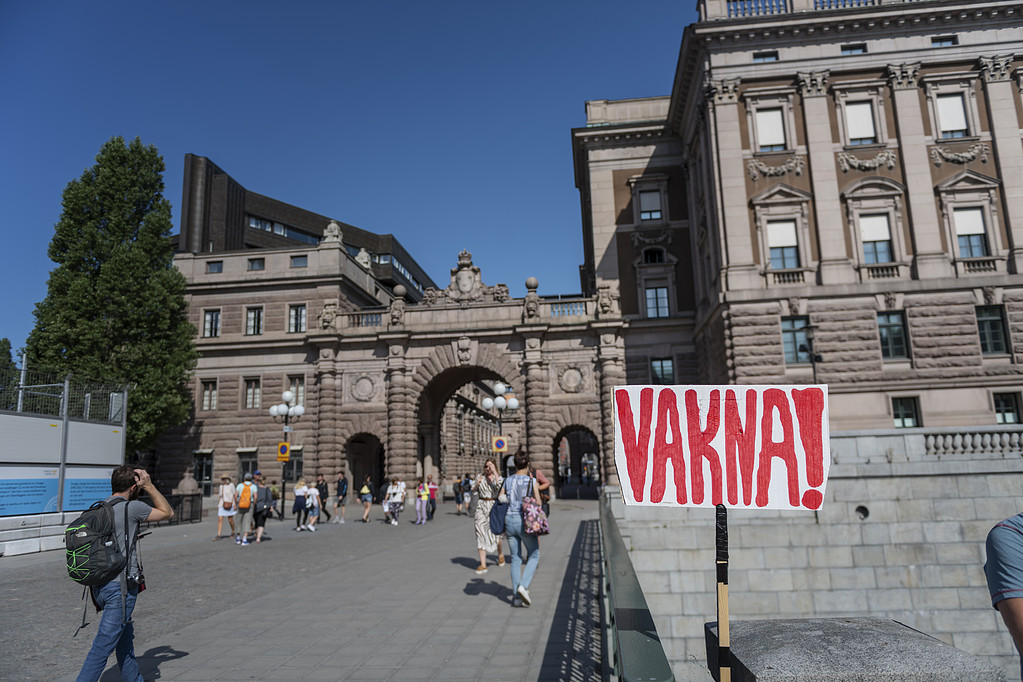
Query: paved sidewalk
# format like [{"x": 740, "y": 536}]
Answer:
[{"x": 389, "y": 603}]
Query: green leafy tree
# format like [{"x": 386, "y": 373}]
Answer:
[
  {"x": 8, "y": 375},
  {"x": 115, "y": 307}
]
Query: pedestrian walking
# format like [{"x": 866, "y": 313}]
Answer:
[
  {"x": 393, "y": 500},
  {"x": 264, "y": 505},
  {"x": 456, "y": 488},
  {"x": 312, "y": 504},
  {"x": 518, "y": 486},
  {"x": 299, "y": 510},
  {"x": 431, "y": 507},
  {"x": 366, "y": 496},
  {"x": 225, "y": 505},
  {"x": 342, "y": 496},
  {"x": 466, "y": 491},
  {"x": 246, "y": 503},
  {"x": 422, "y": 499},
  {"x": 487, "y": 486},
  {"x": 321, "y": 487},
  {"x": 116, "y": 631},
  {"x": 543, "y": 485}
]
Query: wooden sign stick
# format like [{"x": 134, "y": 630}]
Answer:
[{"x": 724, "y": 654}]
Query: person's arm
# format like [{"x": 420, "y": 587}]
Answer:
[
  {"x": 1012, "y": 614},
  {"x": 536, "y": 491},
  {"x": 542, "y": 480},
  {"x": 161, "y": 510}
]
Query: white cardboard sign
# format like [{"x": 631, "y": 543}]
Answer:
[{"x": 756, "y": 447}]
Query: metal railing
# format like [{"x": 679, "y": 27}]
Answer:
[
  {"x": 632, "y": 636},
  {"x": 187, "y": 508}
]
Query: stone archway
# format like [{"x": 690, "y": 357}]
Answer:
[
  {"x": 579, "y": 473},
  {"x": 365, "y": 455}
]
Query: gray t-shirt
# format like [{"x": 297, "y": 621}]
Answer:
[{"x": 138, "y": 511}]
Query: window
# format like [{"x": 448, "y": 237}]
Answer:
[
  {"x": 299, "y": 261},
  {"x": 653, "y": 255},
  {"x": 214, "y": 266},
  {"x": 892, "y": 329},
  {"x": 906, "y": 412},
  {"x": 855, "y": 48},
  {"x": 784, "y": 248},
  {"x": 253, "y": 321},
  {"x": 248, "y": 461},
  {"x": 296, "y": 384},
  {"x": 991, "y": 328},
  {"x": 296, "y": 318},
  {"x": 761, "y": 57},
  {"x": 649, "y": 205},
  {"x": 211, "y": 323},
  {"x": 252, "y": 394},
  {"x": 657, "y": 302},
  {"x": 970, "y": 232},
  {"x": 293, "y": 467},
  {"x": 944, "y": 41},
  {"x": 859, "y": 120},
  {"x": 951, "y": 116},
  {"x": 877, "y": 239},
  {"x": 257, "y": 264},
  {"x": 793, "y": 336},
  {"x": 662, "y": 371},
  {"x": 770, "y": 125},
  {"x": 1006, "y": 408},
  {"x": 209, "y": 394}
]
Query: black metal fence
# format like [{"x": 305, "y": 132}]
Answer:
[{"x": 187, "y": 508}]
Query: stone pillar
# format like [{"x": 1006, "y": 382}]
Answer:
[
  {"x": 1004, "y": 124},
  {"x": 611, "y": 356},
  {"x": 740, "y": 270},
  {"x": 835, "y": 266},
  {"x": 400, "y": 455},
  {"x": 328, "y": 449},
  {"x": 930, "y": 259},
  {"x": 539, "y": 427}
]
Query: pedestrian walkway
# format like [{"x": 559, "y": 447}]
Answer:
[{"x": 399, "y": 603}]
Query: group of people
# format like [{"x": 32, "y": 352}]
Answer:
[
  {"x": 393, "y": 499},
  {"x": 252, "y": 501}
]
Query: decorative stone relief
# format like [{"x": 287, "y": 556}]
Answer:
[
  {"x": 326, "y": 354},
  {"x": 723, "y": 91},
  {"x": 847, "y": 161},
  {"x": 996, "y": 68},
  {"x": 979, "y": 150},
  {"x": 363, "y": 389},
  {"x": 332, "y": 233},
  {"x": 328, "y": 315},
  {"x": 363, "y": 259},
  {"x": 532, "y": 343},
  {"x": 990, "y": 295},
  {"x": 756, "y": 168},
  {"x": 651, "y": 238},
  {"x": 532, "y": 305},
  {"x": 605, "y": 301},
  {"x": 890, "y": 300},
  {"x": 794, "y": 305},
  {"x": 397, "y": 311},
  {"x": 903, "y": 76},
  {"x": 813, "y": 83},
  {"x": 465, "y": 350},
  {"x": 607, "y": 339},
  {"x": 571, "y": 379},
  {"x": 466, "y": 286}
]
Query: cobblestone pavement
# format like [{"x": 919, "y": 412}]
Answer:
[{"x": 349, "y": 602}]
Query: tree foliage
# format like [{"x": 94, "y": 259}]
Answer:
[{"x": 115, "y": 307}]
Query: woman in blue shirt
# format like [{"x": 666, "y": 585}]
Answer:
[{"x": 517, "y": 486}]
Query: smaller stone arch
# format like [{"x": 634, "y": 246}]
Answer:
[
  {"x": 364, "y": 454},
  {"x": 578, "y": 472}
]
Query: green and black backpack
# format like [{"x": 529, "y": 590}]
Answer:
[{"x": 93, "y": 556}]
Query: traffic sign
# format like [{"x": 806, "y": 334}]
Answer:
[
  {"x": 283, "y": 452},
  {"x": 499, "y": 443}
]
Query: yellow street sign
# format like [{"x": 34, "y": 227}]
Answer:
[{"x": 283, "y": 452}]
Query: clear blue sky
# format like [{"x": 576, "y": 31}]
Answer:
[{"x": 446, "y": 124}]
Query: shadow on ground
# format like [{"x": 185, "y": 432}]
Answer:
[
  {"x": 149, "y": 663},
  {"x": 575, "y": 644}
]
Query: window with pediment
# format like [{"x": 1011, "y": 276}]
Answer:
[
  {"x": 783, "y": 230},
  {"x": 874, "y": 209},
  {"x": 969, "y": 211},
  {"x": 655, "y": 273}
]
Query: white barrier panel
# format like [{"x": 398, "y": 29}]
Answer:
[{"x": 758, "y": 447}]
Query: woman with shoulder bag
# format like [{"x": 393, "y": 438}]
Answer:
[
  {"x": 518, "y": 487},
  {"x": 225, "y": 507},
  {"x": 487, "y": 487}
]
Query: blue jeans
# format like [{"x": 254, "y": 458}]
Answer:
[
  {"x": 113, "y": 635},
  {"x": 531, "y": 543}
]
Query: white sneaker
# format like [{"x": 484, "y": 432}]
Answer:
[
  {"x": 312, "y": 528},
  {"x": 394, "y": 522},
  {"x": 341, "y": 521},
  {"x": 524, "y": 594}
]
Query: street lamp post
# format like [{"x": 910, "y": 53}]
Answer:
[
  {"x": 807, "y": 348},
  {"x": 501, "y": 403},
  {"x": 285, "y": 413}
]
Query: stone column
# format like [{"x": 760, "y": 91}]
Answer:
[
  {"x": 930, "y": 259},
  {"x": 611, "y": 356},
  {"x": 400, "y": 455},
  {"x": 1001, "y": 108},
  {"x": 328, "y": 449},
  {"x": 740, "y": 270},
  {"x": 539, "y": 427},
  {"x": 835, "y": 266}
]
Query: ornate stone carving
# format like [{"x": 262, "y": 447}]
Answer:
[
  {"x": 977, "y": 151},
  {"x": 571, "y": 379},
  {"x": 890, "y": 300},
  {"x": 903, "y": 76},
  {"x": 464, "y": 348},
  {"x": 651, "y": 238},
  {"x": 532, "y": 343},
  {"x": 332, "y": 233},
  {"x": 532, "y": 305},
  {"x": 605, "y": 302},
  {"x": 887, "y": 157},
  {"x": 996, "y": 68},
  {"x": 363, "y": 259},
  {"x": 326, "y": 354},
  {"x": 989, "y": 295},
  {"x": 397, "y": 311},
  {"x": 328, "y": 315},
  {"x": 363, "y": 389},
  {"x": 813, "y": 83},
  {"x": 794, "y": 305},
  {"x": 756, "y": 168},
  {"x": 607, "y": 339},
  {"x": 466, "y": 286},
  {"x": 723, "y": 91}
]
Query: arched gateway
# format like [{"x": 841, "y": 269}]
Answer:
[{"x": 390, "y": 373}]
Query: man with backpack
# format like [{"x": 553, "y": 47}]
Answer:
[
  {"x": 246, "y": 503},
  {"x": 116, "y": 631},
  {"x": 264, "y": 503}
]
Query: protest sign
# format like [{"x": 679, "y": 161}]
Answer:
[{"x": 758, "y": 447}]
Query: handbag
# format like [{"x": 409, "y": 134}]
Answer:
[
  {"x": 498, "y": 512},
  {"x": 227, "y": 506},
  {"x": 534, "y": 521}
]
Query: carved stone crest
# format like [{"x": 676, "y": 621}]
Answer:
[
  {"x": 466, "y": 286},
  {"x": 813, "y": 83},
  {"x": 756, "y": 168},
  {"x": 886, "y": 157}
]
